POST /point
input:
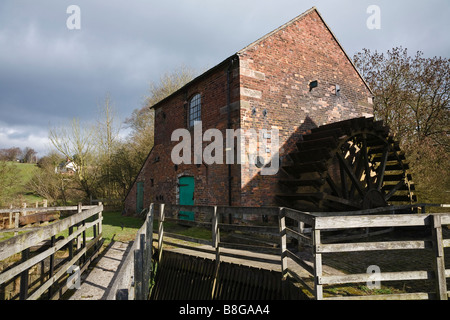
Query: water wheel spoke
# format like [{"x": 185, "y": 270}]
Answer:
[
  {"x": 344, "y": 164},
  {"x": 366, "y": 161},
  {"x": 340, "y": 200},
  {"x": 358, "y": 173},
  {"x": 333, "y": 186},
  {"x": 400, "y": 184}
]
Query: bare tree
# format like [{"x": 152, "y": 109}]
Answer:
[
  {"x": 76, "y": 144},
  {"x": 142, "y": 120}
]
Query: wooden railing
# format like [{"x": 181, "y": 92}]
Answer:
[
  {"x": 322, "y": 223},
  {"x": 310, "y": 229},
  {"x": 136, "y": 271},
  {"x": 43, "y": 243}
]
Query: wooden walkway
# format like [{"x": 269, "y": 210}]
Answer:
[{"x": 97, "y": 283}]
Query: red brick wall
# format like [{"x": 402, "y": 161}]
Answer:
[{"x": 275, "y": 74}]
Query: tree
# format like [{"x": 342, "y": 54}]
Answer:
[
  {"x": 75, "y": 143},
  {"x": 10, "y": 154},
  {"x": 107, "y": 141},
  {"x": 412, "y": 97},
  {"x": 141, "y": 121},
  {"x": 29, "y": 155},
  {"x": 50, "y": 184}
]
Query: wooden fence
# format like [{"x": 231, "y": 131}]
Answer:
[
  {"x": 14, "y": 218},
  {"x": 133, "y": 281},
  {"x": 323, "y": 223},
  {"x": 39, "y": 246},
  {"x": 309, "y": 229}
]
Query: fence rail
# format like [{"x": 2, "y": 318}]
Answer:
[
  {"x": 308, "y": 228},
  {"x": 377, "y": 219},
  {"x": 37, "y": 245}
]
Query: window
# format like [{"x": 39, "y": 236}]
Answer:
[{"x": 195, "y": 108}]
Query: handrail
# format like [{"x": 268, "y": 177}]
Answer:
[
  {"x": 136, "y": 271},
  {"x": 23, "y": 243}
]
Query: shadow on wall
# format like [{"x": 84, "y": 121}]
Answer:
[{"x": 260, "y": 190}]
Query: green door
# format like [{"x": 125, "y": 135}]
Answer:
[
  {"x": 139, "y": 197},
  {"x": 186, "y": 189}
]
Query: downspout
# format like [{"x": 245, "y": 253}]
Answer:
[{"x": 230, "y": 177}]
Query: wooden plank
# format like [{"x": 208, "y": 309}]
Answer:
[
  {"x": 253, "y": 229},
  {"x": 445, "y": 218},
  {"x": 446, "y": 243},
  {"x": 38, "y": 218},
  {"x": 21, "y": 242},
  {"x": 399, "y": 220},
  {"x": 318, "y": 288},
  {"x": 299, "y": 216},
  {"x": 138, "y": 273},
  {"x": 384, "y": 276},
  {"x": 186, "y": 238},
  {"x": 373, "y": 246},
  {"x": 46, "y": 209},
  {"x": 266, "y": 211},
  {"x": 200, "y": 209},
  {"x": 299, "y": 236},
  {"x": 283, "y": 245},
  {"x": 251, "y": 248},
  {"x": 62, "y": 271},
  {"x": 8, "y": 274},
  {"x": 300, "y": 262},
  {"x": 161, "y": 231},
  {"x": 299, "y": 279},
  {"x": 439, "y": 261},
  {"x": 399, "y": 296}
]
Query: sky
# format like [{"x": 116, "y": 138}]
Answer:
[{"x": 53, "y": 69}]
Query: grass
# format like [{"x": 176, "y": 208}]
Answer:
[
  {"x": 120, "y": 227},
  {"x": 115, "y": 226},
  {"x": 25, "y": 172}
]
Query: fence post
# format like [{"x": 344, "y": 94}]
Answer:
[
  {"x": 10, "y": 217},
  {"x": 100, "y": 223},
  {"x": 138, "y": 272},
  {"x": 24, "y": 276},
  {"x": 160, "y": 231},
  {"x": 122, "y": 294},
  {"x": 318, "y": 288},
  {"x": 24, "y": 206},
  {"x": 149, "y": 248},
  {"x": 215, "y": 244},
  {"x": 439, "y": 261},
  {"x": 283, "y": 242}
]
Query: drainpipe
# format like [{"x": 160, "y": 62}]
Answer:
[{"x": 230, "y": 177}]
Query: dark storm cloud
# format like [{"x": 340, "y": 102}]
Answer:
[{"x": 50, "y": 74}]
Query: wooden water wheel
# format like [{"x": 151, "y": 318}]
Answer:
[{"x": 349, "y": 165}]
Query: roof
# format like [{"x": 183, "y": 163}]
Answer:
[{"x": 229, "y": 59}]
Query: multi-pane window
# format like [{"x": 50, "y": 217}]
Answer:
[{"x": 195, "y": 108}]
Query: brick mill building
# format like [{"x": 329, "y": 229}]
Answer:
[{"x": 295, "y": 78}]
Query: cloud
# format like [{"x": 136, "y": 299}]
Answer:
[
  {"x": 50, "y": 75},
  {"x": 22, "y": 137}
]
